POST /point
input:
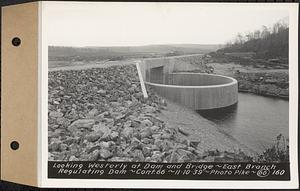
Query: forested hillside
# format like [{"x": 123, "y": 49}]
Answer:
[{"x": 266, "y": 43}]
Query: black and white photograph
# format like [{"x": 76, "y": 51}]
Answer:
[
  {"x": 168, "y": 83},
  {"x": 212, "y": 92},
  {"x": 149, "y": 95}
]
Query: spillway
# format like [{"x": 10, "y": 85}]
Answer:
[{"x": 198, "y": 91}]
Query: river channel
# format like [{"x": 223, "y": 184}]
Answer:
[{"x": 254, "y": 121}]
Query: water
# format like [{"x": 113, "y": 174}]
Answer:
[{"x": 255, "y": 121}]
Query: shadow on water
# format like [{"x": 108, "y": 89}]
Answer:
[
  {"x": 220, "y": 114},
  {"x": 223, "y": 115}
]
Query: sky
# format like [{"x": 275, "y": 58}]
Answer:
[{"x": 135, "y": 24}]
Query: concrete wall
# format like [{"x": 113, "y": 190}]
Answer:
[
  {"x": 156, "y": 75},
  {"x": 197, "y": 91},
  {"x": 164, "y": 67},
  {"x": 194, "y": 79},
  {"x": 199, "y": 97},
  {"x": 169, "y": 65}
]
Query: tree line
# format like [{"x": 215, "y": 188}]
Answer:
[{"x": 267, "y": 42}]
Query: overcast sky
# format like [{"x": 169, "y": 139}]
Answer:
[{"x": 131, "y": 24}]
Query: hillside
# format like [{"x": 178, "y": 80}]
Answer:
[
  {"x": 273, "y": 46},
  {"x": 258, "y": 60},
  {"x": 267, "y": 43},
  {"x": 57, "y": 53}
]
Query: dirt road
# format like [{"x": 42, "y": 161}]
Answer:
[{"x": 83, "y": 65}]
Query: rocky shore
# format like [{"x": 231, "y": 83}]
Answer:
[
  {"x": 261, "y": 81},
  {"x": 275, "y": 84},
  {"x": 101, "y": 115}
]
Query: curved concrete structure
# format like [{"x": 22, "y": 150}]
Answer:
[{"x": 198, "y": 91}]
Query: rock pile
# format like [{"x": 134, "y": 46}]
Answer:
[
  {"x": 264, "y": 83},
  {"x": 101, "y": 114}
]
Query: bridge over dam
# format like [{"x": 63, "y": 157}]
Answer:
[{"x": 198, "y": 91}]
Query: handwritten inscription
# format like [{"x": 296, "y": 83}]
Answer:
[{"x": 102, "y": 169}]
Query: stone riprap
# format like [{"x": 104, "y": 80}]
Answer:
[{"x": 101, "y": 115}]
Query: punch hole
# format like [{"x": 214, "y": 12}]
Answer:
[
  {"x": 16, "y": 41},
  {"x": 14, "y": 145}
]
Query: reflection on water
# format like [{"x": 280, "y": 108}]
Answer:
[{"x": 254, "y": 121}]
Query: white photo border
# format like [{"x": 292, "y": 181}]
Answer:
[{"x": 43, "y": 179}]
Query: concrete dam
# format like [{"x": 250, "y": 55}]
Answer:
[{"x": 198, "y": 91}]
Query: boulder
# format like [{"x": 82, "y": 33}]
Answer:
[
  {"x": 147, "y": 151},
  {"x": 146, "y": 132},
  {"x": 138, "y": 155},
  {"x": 146, "y": 123},
  {"x": 63, "y": 147},
  {"x": 92, "y": 113},
  {"x": 149, "y": 109},
  {"x": 94, "y": 136},
  {"x": 94, "y": 156},
  {"x": 154, "y": 128},
  {"x": 106, "y": 132},
  {"x": 104, "y": 153},
  {"x": 127, "y": 132},
  {"x": 105, "y": 145},
  {"x": 73, "y": 158},
  {"x": 54, "y": 146},
  {"x": 114, "y": 135},
  {"x": 55, "y": 114},
  {"x": 81, "y": 123}
]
